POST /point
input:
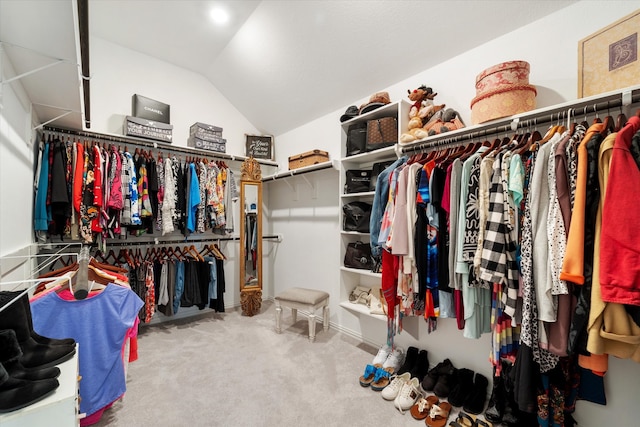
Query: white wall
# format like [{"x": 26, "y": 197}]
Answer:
[
  {"x": 550, "y": 45},
  {"x": 118, "y": 73},
  {"x": 16, "y": 175}
]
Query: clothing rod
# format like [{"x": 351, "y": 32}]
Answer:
[
  {"x": 179, "y": 242},
  {"x": 531, "y": 119},
  {"x": 153, "y": 144}
]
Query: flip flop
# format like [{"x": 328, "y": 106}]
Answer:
[
  {"x": 438, "y": 415},
  {"x": 466, "y": 420},
  {"x": 420, "y": 410},
  {"x": 381, "y": 379},
  {"x": 367, "y": 378},
  {"x": 482, "y": 423}
]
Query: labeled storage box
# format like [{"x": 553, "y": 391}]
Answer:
[
  {"x": 218, "y": 146},
  {"x": 147, "y": 108},
  {"x": 205, "y": 131},
  {"x": 308, "y": 158},
  {"x": 501, "y": 91},
  {"x": 143, "y": 128}
]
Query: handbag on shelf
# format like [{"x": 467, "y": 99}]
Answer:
[
  {"x": 360, "y": 295},
  {"x": 358, "y": 255},
  {"x": 356, "y": 216},
  {"x": 357, "y": 181},
  {"x": 381, "y": 133},
  {"x": 356, "y": 139},
  {"x": 377, "y": 170},
  {"x": 377, "y": 303}
]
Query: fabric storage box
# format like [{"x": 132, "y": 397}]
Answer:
[
  {"x": 503, "y": 90},
  {"x": 218, "y": 146},
  {"x": 147, "y": 108},
  {"x": 206, "y": 132},
  {"x": 143, "y": 128},
  {"x": 308, "y": 158}
]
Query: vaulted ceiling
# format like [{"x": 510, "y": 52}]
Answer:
[{"x": 280, "y": 63}]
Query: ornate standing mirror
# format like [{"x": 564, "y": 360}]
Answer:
[{"x": 250, "y": 237}]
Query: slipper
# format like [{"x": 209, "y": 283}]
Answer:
[
  {"x": 367, "y": 378},
  {"x": 482, "y": 423},
  {"x": 438, "y": 415},
  {"x": 420, "y": 410},
  {"x": 381, "y": 379},
  {"x": 466, "y": 420}
]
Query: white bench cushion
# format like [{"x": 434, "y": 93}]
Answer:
[{"x": 302, "y": 295}]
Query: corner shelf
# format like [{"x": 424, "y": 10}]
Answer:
[
  {"x": 361, "y": 310},
  {"x": 355, "y": 195},
  {"x": 361, "y": 272},
  {"x": 332, "y": 164}
]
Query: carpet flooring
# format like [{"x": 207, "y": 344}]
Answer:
[{"x": 225, "y": 369}]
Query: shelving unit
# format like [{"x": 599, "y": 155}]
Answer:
[
  {"x": 60, "y": 409},
  {"x": 351, "y": 277}
]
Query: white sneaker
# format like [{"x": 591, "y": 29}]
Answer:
[
  {"x": 391, "y": 391},
  {"x": 408, "y": 395},
  {"x": 394, "y": 360},
  {"x": 382, "y": 356}
]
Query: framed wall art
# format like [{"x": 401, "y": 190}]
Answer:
[
  {"x": 259, "y": 147},
  {"x": 608, "y": 59}
]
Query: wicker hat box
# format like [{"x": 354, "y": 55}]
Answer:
[
  {"x": 308, "y": 158},
  {"x": 503, "y": 90}
]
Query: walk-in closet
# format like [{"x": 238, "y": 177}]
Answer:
[{"x": 283, "y": 213}]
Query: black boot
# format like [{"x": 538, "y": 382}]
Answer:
[
  {"x": 495, "y": 410},
  {"x": 16, "y": 394},
  {"x": 35, "y": 355},
  {"x": 476, "y": 400},
  {"x": 39, "y": 338},
  {"x": 430, "y": 380},
  {"x": 10, "y": 354},
  {"x": 409, "y": 361},
  {"x": 421, "y": 367},
  {"x": 446, "y": 382},
  {"x": 463, "y": 389}
]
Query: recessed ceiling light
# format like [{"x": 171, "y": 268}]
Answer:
[{"x": 219, "y": 16}]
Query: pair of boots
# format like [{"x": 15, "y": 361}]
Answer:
[
  {"x": 502, "y": 406},
  {"x": 27, "y": 372},
  {"x": 416, "y": 363},
  {"x": 441, "y": 379},
  {"x": 470, "y": 392}
]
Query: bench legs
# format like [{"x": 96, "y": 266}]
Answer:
[{"x": 311, "y": 317}]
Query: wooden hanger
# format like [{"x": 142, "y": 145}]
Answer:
[{"x": 621, "y": 120}]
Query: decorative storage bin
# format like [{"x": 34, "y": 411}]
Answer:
[
  {"x": 218, "y": 146},
  {"x": 143, "y": 128},
  {"x": 206, "y": 132},
  {"x": 150, "y": 109},
  {"x": 501, "y": 91},
  {"x": 309, "y": 158}
]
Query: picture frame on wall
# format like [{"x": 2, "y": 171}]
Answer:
[
  {"x": 259, "y": 147},
  {"x": 608, "y": 58}
]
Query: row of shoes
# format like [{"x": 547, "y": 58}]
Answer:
[
  {"x": 27, "y": 360},
  {"x": 408, "y": 384}
]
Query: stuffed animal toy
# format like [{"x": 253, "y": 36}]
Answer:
[
  {"x": 422, "y": 109},
  {"x": 443, "y": 121}
]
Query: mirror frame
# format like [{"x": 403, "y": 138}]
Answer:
[{"x": 250, "y": 296}]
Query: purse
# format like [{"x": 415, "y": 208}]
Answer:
[
  {"x": 377, "y": 170},
  {"x": 356, "y": 216},
  {"x": 357, "y": 139},
  {"x": 360, "y": 295},
  {"x": 357, "y": 181},
  {"x": 381, "y": 133},
  {"x": 358, "y": 255},
  {"x": 377, "y": 303}
]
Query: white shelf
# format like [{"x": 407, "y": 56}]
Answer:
[
  {"x": 384, "y": 111},
  {"x": 361, "y": 310},
  {"x": 353, "y": 195},
  {"x": 354, "y": 233},
  {"x": 57, "y": 410},
  {"x": 361, "y": 272},
  {"x": 332, "y": 164},
  {"x": 382, "y": 154}
]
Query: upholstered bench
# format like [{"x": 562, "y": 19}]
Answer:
[{"x": 304, "y": 299}]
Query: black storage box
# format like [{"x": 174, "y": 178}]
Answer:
[
  {"x": 206, "y": 132},
  {"x": 143, "y": 128},
  {"x": 147, "y": 108},
  {"x": 218, "y": 146}
]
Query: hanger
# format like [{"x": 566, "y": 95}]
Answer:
[{"x": 621, "y": 120}]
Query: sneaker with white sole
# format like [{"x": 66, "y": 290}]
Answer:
[
  {"x": 408, "y": 395},
  {"x": 394, "y": 360},
  {"x": 382, "y": 356},
  {"x": 391, "y": 391}
]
